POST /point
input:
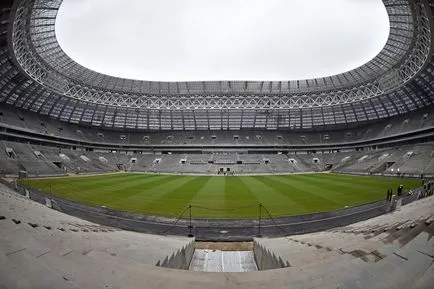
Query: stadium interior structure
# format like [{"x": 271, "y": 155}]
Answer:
[{"x": 58, "y": 117}]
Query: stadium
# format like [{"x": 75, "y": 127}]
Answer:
[{"x": 108, "y": 182}]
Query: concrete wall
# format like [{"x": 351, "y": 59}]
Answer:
[
  {"x": 265, "y": 260},
  {"x": 180, "y": 259}
]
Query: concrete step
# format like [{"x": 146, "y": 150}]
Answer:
[
  {"x": 422, "y": 243},
  {"x": 42, "y": 275},
  {"x": 85, "y": 269},
  {"x": 404, "y": 267},
  {"x": 327, "y": 273},
  {"x": 427, "y": 280},
  {"x": 12, "y": 276}
]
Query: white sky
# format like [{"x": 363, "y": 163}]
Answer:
[{"x": 190, "y": 40}]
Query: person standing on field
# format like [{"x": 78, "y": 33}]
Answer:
[{"x": 400, "y": 188}]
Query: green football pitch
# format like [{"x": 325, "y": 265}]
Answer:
[{"x": 221, "y": 197}]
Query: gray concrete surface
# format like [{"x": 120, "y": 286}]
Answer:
[
  {"x": 267, "y": 260},
  {"x": 180, "y": 259},
  {"x": 223, "y": 261}
]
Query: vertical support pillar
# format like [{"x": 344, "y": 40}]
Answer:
[
  {"x": 259, "y": 221},
  {"x": 190, "y": 226}
]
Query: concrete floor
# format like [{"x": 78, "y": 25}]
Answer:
[{"x": 223, "y": 261}]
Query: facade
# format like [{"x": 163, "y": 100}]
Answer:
[{"x": 36, "y": 75}]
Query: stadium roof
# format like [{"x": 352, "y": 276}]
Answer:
[{"x": 44, "y": 79}]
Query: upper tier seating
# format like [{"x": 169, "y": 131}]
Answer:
[{"x": 47, "y": 126}]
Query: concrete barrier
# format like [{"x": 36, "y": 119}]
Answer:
[
  {"x": 265, "y": 260},
  {"x": 180, "y": 259}
]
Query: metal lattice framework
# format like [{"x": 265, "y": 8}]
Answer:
[{"x": 399, "y": 79}]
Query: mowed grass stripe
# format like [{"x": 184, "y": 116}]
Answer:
[
  {"x": 300, "y": 199},
  {"x": 364, "y": 188},
  {"x": 378, "y": 183},
  {"x": 111, "y": 186},
  {"x": 372, "y": 180},
  {"x": 347, "y": 189},
  {"x": 305, "y": 198},
  {"x": 148, "y": 192},
  {"x": 127, "y": 191},
  {"x": 87, "y": 180},
  {"x": 320, "y": 196},
  {"x": 341, "y": 192},
  {"x": 240, "y": 200},
  {"x": 213, "y": 194},
  {"x": 270, "y": 197},
  {"x": 238, "y": 194},
  {"x": 79, "y": 183},
  {"x": 176, "y": 200},
  {"x": 105, "y": 195},
  {"x": 88, "y": 188},
  {"x": 328, "y": 184},
  {"x": 119, "y": 185},
  {"x": 353, "y": 190}
]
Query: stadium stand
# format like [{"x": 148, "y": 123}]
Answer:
[
  {"x": 390, "y": 250},
  {"x": 59, "y": 118},
  {"x": 383, "y": 252},
  {"x": 420, "y": 120},
  {"x": 409, "y": 160}
]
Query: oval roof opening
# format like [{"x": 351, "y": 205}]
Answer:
[{"x": 204, "y": 40}]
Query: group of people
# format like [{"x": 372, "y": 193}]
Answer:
[
  {"x": 427, "y": 189},
  {"x": 398, "y": 192},
  {"x": 226, "y": 173}
]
